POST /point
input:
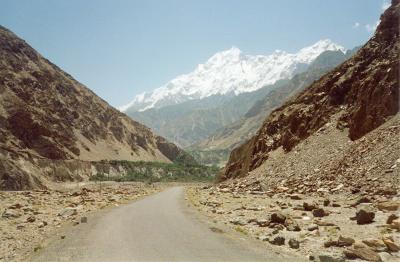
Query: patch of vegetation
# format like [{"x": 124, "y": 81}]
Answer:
[
  {"x": 241, "y": 230},
  {"x": 211, "y": 157},
  {"x": 151, "y": 172}
]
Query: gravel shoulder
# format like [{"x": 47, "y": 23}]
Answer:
[
  {"x": 328, "y": 227},
  {"x": 29, "y": 218}
]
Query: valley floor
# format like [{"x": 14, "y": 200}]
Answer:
[{"x": 316, "y": 227}]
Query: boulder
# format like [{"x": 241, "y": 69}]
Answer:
[
  {"x": 326, "y": 202},
  {"x": 388, "y": 205},
  {"x": 295, "y": 197},
  {"x": 330, "y": 258},
  {"x": 10, "y": 213},
  {"x": 31, "y": 219},
  {"x": 238, "y": 221},
  {"x": 375, "y": 244},
  {"x": 319, "y": 212},
  {"x": 293, "y": 243},
  {"x": 68, "y": 212},
  {"x": 362, "y": 253},
  {"x": 395, "y": 224},
  {"x": 345, "y": 241},
  {"x": 390, "y": 218},
  {"x": 393, "y": 247},
  {"x": 292, "y": 225},
  {"x": 310, "y": 206},
  {"x": 278, "y": 218},
  {"x": 312, "y": 227},
  {"x": 364, "y": 216},
  {"x": 387, "y": 257},
  {"x": 279, "y": 241}
]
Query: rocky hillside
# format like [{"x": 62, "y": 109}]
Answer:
[
  {"x": 243, "y": 129},
  {"x": 47, "y": 115},
  {"x": 355, "y": 98}
]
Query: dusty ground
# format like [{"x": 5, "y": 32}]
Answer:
[
  {"x": 251, "y": 212},
  {"x": 29, "y": 217}
]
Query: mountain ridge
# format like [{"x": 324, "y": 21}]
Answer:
[
  {"x": 230, "y": 71},
  {"x": 243, "y": 129}
]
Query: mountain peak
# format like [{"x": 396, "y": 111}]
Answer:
[
  {"x": 231, "y": 54},
  {"x": 230, "y": 71}
]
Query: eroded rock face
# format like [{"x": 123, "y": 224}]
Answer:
[
  {"x": 364, "y": 91},
  {"x": 46, "y": 114}
]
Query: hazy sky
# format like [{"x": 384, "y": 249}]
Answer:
[{"x": 120, "y": 48}]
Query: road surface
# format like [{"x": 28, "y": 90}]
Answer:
[{"x": 157, "y": 228}]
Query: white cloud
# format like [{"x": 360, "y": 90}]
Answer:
[
  {"x": 372, "y": 28},
  {"x": 385, "y": 5},
  {"x": 356, "y": 25}
]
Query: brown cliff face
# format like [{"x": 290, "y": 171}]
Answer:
[
  {"x": 364, "y": 91},
  {"x": 46, "y": 114}
]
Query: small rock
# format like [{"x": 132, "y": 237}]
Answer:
[
  {"x": 362, "y": 199},
  {"x": 42, "y": 224},
  {"x": 15, "y": 206},
  {"x": 84, "y": 219},
  {"x": 345, "y": 241},
  {"x": 324, "y": 223},
  {"x": 292, "y": 225},
  {"x": 63, "y": 237},
  {"x": 279, "y": 241},
  {"x": 319, "y": 212},
  {"x": 330, "y": 243},
  {"x": 395, "y": 224},
  {"x": 68, "y": 212},
  {"x": 326, "y": 202},
  {"x": 309, "y": 206},
  {"x": 330, "y": 258},
  {"x": 295, "y": 197},
  {"x": 31, "y": 219},
  {"x": 364, "y": 216},
  {"x": 312, "y": 227},
  {"x": 263, "y": 238},
  {"x": 390, "y": 218},
  {"x": 375, "y": 244},
  {"x": 10, "y": 214},
  {"x": 294, "y": 244},
  {"x": 389, "y": 205},
  {"x": 238, "y": 221},
  {"x": 341, "y": 242},
  {"x": 75, "y": 223},
  {"x": 387, "y": 257},
  {"x": 359, "y": 245},
  {"x": 278, "y": 218},
  {"x": 340, "y": 186},
  {"x": 362, "y": 253},
  {"x": 391, "y": 245},
  {"x": 262, "y": 222}
]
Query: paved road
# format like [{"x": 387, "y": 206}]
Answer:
[{"x": 156, "y": 228}]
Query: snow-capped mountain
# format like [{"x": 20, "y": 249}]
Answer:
[{"x": 231, "y": 71}]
